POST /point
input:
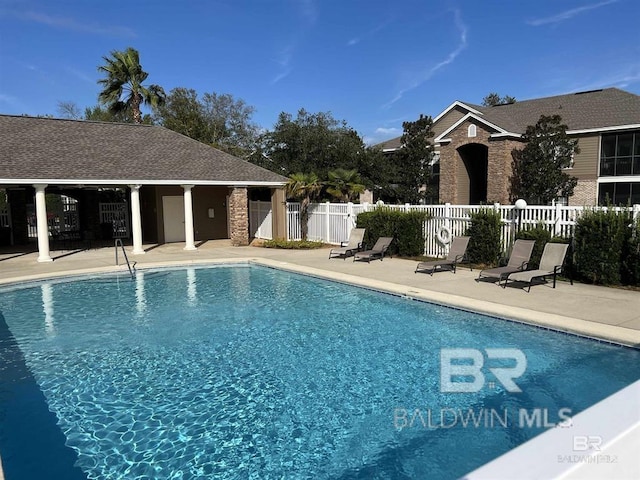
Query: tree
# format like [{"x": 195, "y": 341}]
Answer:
[
  {"x": 537, "y": 168},
  {"x": 100, "y": 114},
  {"x": 494, "y": 99},
  {"x": 217, "y": 120},
  {"x": 70, "y": 110},
  {"x": 412, "y": 160},
  {"x": 344, "y": 184},
  {"x": 123, "y": 88},
  {"x": 309, "y": 143},
  {"x": 304, "y": 187}
]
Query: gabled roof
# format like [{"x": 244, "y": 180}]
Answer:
[
  {"x": 592, "y": 111},
  {"x": 73, "y": 151}
]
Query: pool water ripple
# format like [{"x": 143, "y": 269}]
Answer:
[{"x": 248, "y": 372}]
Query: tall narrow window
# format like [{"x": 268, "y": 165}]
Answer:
[{"x": 471, "y": 131}]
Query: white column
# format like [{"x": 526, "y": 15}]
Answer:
[
  {"x": 136, "y": 220},
  {"x": 42, "y": 225},
  {"x": 188, "y": 218}
]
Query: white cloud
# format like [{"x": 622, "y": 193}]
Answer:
[
  {"x": 388, "y": 131},
  {"x": 568, "y": 14},
  {"x": 421, "y": 77},
  {"x": 370, "y": 33},
  {"x": 67, "y": 23}
]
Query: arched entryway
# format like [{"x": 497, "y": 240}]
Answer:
[{"x": 472, "y": 177}]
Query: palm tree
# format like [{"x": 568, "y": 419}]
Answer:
[
  {"x": 123, "y": 87},
  {"x": 304, "y": 187},
  {"x": 344, "y": 184}
]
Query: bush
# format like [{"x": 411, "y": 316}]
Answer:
[
  {"x": 604, "y": 247},
  {"x": 631, "y": 259},
  {"x": 292, "y": 244},
  {"x": 541, "y": 235},
  {"x": 406, "y": 227},
  {"x": 484, "y": 246}
]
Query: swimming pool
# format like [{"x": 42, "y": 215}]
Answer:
[{"x": 250, "y": 372}]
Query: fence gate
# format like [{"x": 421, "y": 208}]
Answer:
[{"x": 260, "y": 220}]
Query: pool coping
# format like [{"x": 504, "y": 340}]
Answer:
[{"x": 559, "y": 323}]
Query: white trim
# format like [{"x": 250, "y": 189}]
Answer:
[
  {"x": 505, "y": 135},
  {"x": 455, "y": 104},
  {"x": 86, "y": 182},
  {"x": 632, "y": 126},
  {"x": 441, "y": 137},
  {"x": 384, "y": 150},
  {"x": 620, "y": 179}
]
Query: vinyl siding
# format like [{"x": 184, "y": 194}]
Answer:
[
  {"x": 585, "y": 163},
  {"x": 449, "y": 119}
]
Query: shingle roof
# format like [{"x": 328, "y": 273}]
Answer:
[
  {"x": 610, "y": 107},
  {"x": 579, "y": 111},
  {"x": 47, "y": 149}
]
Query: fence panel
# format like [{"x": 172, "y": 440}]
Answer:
[
  {"x": 5, "y": 217},
  {"x": 332, "y": 222},
  {"x": 117, "y": 214},
  {"x": 260, "y": 220}
]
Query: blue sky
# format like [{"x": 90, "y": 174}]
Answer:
[{"x": 372, "y": 63}]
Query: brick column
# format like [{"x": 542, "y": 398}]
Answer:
[{"x": 238, "y": 216}]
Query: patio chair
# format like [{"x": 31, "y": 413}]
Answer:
[
  {"x": 349, "y": 248},
  {"x": 457, "y": 253},
  {"x": 518, "y": 261},
  {"x": 378, "y": 251},
  {"x": 550, "y": 264}
]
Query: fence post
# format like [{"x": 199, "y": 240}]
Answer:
[
  {"x": 406, "y": 207},
  {"x": 447, "y": 215},
  {"x": 327, "y": 223},
  {"x": 351, "y": 222},
  {"x": 557, "y": 227},
  {"x": 636, "y": 213}
]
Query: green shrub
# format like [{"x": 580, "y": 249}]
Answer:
[
  {"x": 485, "y": 245},
  {"x": 602, "y": 241},
  {"x": 541, "y": 235},
  {"x": 292, "y": 244},
  {"x": 406, "y": 227},
  {"x": 631, "y": 258}
]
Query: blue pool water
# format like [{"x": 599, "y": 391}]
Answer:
[{"x": 248, "y": 372}]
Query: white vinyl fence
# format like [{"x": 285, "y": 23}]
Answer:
[
  {"x": 260, "y": 220},
  {"x": 5, "y": 217},
  {"x": 332, "y": 222}
]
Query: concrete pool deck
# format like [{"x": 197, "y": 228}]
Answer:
[{"x": 600, "y": 312}]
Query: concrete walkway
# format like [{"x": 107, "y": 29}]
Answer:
[{"x": 606, "y": 313}]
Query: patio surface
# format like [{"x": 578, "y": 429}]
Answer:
[{"x": 601, "y": 312}]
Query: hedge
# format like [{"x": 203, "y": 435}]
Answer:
[
  {"x": 606, "y": 248},
  {"x": 485, "y": 246},
  {"x": 406, "y": 227}
]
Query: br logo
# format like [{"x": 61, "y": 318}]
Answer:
[{"x": 474, "y": 360}]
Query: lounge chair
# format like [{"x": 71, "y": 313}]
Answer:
[
  {"x": 378, "y": 251},
  {"x": 518, "y": 261},
  {"x": 352, "y": 246},
  {"x": 457, "y": 253},
  {"x": 550, "y": 264}
]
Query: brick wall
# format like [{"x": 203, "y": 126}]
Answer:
[
  {"x": 238, "y": 216},
  {"x": 585, "y": 193},
  {"x": 499, "y": 165}
]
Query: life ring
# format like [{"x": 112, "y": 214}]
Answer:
[{"x": 444, "y": 235}]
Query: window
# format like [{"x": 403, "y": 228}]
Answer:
[
  {"x": 619, "y": 193},
  {"x": 620, "y": 154},
  {"x": 471, "y": 131}
]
